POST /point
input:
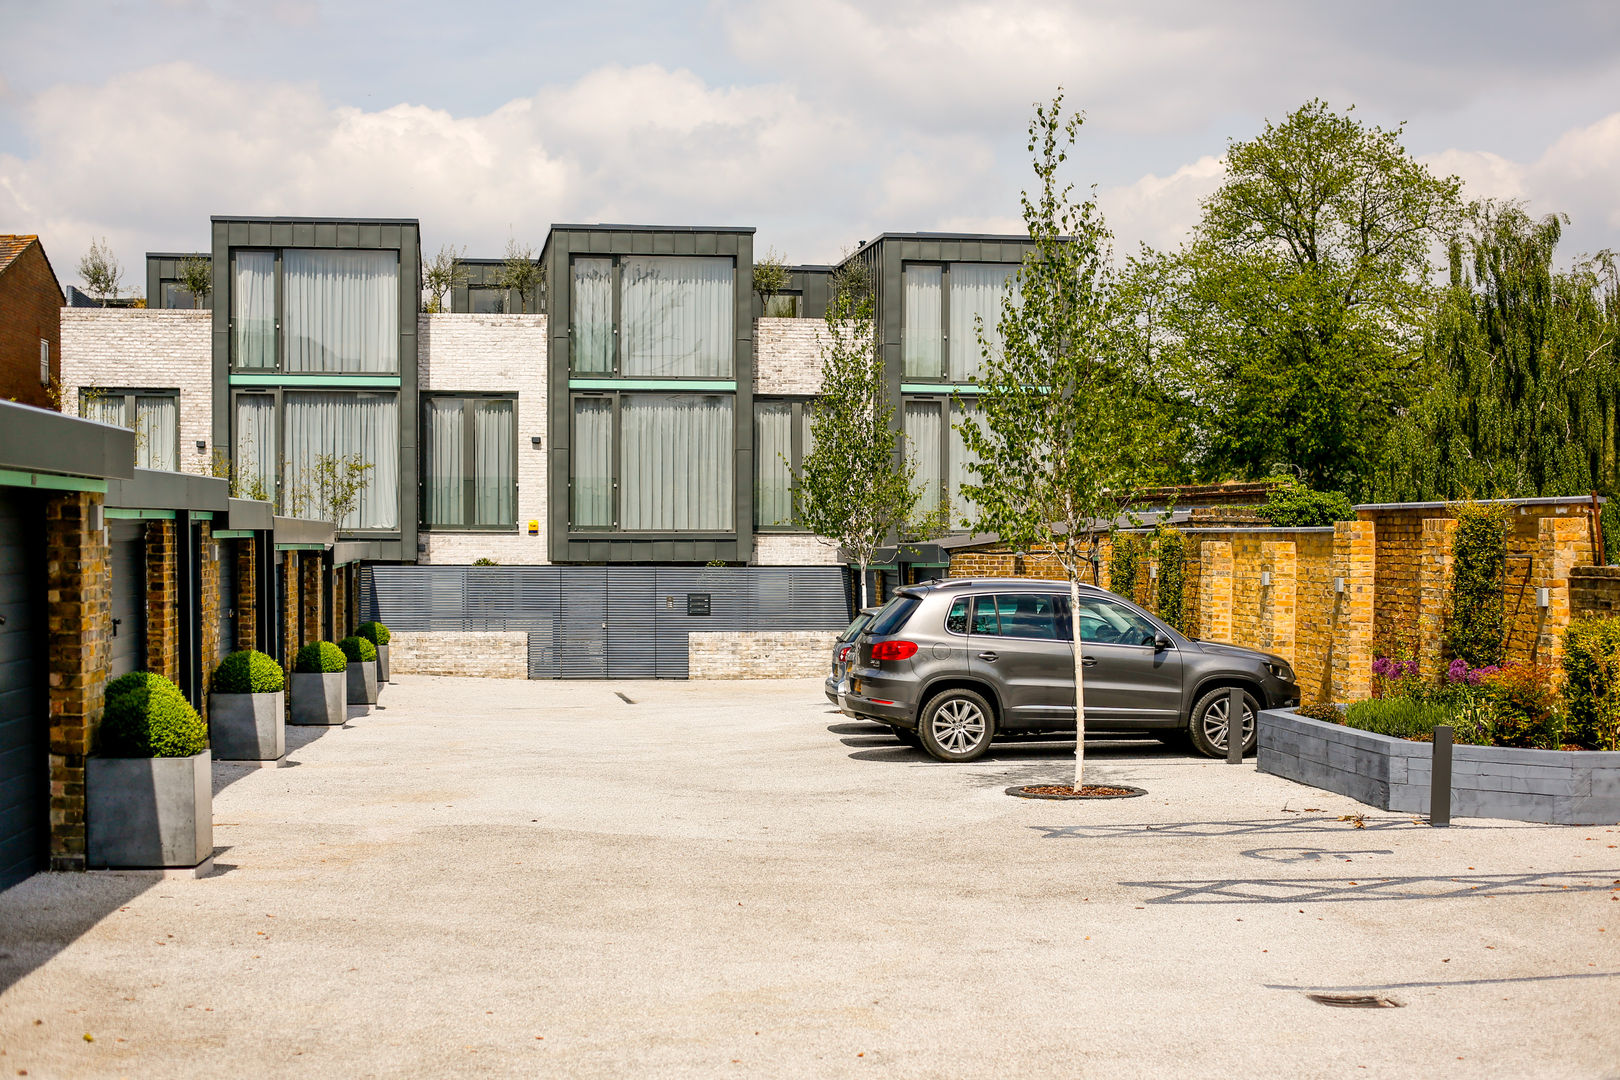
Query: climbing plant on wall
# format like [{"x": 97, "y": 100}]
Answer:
[
  {"x": 1172, "y": 548},
  {"x": 1122, "y": 566},
  {"x": 1479, "y": 564}
]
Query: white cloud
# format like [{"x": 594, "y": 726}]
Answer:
[{"x": 1159, "y": 210}]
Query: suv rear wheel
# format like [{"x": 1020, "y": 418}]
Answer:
[
  {"x": 1209, "y": 722},
  {"x": 957, "y": 725}
]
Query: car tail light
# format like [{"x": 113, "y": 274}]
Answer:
[
  {"x": 843, "y": 654},
  {"x": 894, "y": 650}
]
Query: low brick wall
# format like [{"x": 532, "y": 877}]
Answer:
[
  {"x": 495, "y": 654},
  {"x": 1594, "y": 592},
  {"x": 1560, "y": 787},
  {"x": 761, "y": 654}
]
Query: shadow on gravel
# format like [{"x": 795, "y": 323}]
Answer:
[
  {"x": 42, "y": 915},
  {"x": 1347, "y": 890}
]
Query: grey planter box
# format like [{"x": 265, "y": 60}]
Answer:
[
  {"x": 320, "y": 699},
  {"x": 1559, "y": 787},
  {"x": 149, "y": 813},
  {"x": 363, "y": 683},
  {"x": 382, "y": 663},
  {"x": 247, "y": 727}
]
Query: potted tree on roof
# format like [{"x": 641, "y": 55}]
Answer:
[
  {"x": 362, "y": 666},
  {"x": 246, "y": 705},
  {"x": 149, "y": 798},
  {"x": 378, "y": 635},
  {"x": 320, "y": 685}
]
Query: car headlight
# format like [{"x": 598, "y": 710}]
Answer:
[{"x": 1282, "y": 672}]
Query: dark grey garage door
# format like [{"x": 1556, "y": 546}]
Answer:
[
  {"x": 227, "y": 597},
  {"x": 128, "y": 565},
  {"x": 24, "y": 806}
]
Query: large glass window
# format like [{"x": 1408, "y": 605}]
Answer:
[
  {"x": 469, "y": 451},
  {"x": 920, "y": 341},
  {"x": 977, "y": 290},
  {"x": 253, "y": 309},
  {"x": 154, "y": 416},
  {"x": 486, "y": 300},
  {"x": 672, "y": 455},
  {"x": 255, "y": 459},
  {"x": 592, "y": 324},
  {"x": 781, "y": 441},
  {"x": 933, "y": 428},
  {"x": 342, "y": 311},
  {"x": 591, "y": 486},
  {"x": 326, "y": 433},
  {"x": 171, "y": 294},
  {"x": 676, "y": 317}
]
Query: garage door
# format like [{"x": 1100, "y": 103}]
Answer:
[
  {"x": 128, "y": 566},
  {"x": 24, "y": 806}
]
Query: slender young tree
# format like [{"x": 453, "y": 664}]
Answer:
[
  {"x": 1066, "y": 435},
  {"x": 197, "y": 278},
  {"x": 442, "y": 274},
  {"x": 101, "y": 271},
  {"x": 522, "y": 272}
]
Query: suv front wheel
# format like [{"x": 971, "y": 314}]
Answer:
[
  {"x": 1209, "y": 722},
  {"x": 957, "y": 725}
]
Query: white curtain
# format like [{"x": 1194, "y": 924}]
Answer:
[
  {"x": 157, "y": 433},
  {"x": 959, "y": 458},
  {"x": 253, "y": 309},
  {"x": 494, "y": 497},
  {"x": 255, "y": 447},
  {"x": 773, "y": 450},
  {"x": 445, "y": 439},
  {"x": 592, "y": 457},
  {"x": 976, "y": 290},
  {"x": 345, "y": 427},
  {"x": 676, "y": 461},
  {"x": 921, "y": 340},
  {"x": 592, "y": 327},
  {"x": 107, "y": 409},
  {"x": 924, "y": 429},
  {"x": 676, "y": 317},
  {"x": 342, "y": 310}
]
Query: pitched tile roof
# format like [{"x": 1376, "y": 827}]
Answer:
[{"x": 11, "y": 246}]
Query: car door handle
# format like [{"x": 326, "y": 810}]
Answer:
[
  {"x": 1088, "y": 661},
  {"x": 989, "y": 656}
]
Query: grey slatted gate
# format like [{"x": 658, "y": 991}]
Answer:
[
  {"x": 616, "y": 622},
  {"x": 128, "y": 596},
  {"x": 24, "y": 787}
]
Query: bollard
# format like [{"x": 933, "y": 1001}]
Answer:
[
  {"x": 1234, "y": 728},
  {"x": 1440, "y": 779}
]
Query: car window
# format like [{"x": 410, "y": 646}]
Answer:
[
  {"x": 893, "y": 616},
  {"x": 855, "y": 627},
  {"x": 1108, "y": 622},
  {"x": 1021, "y": 615},
  {"x": 985, "y": 620},
  {"x": 956, "y": 621}
]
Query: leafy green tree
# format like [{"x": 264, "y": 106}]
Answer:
[
  {"x": 442, "y": 274},
  {"x": 1067, "y": 436},
  {"x": 101, "y": 271},
  {"x": 770, "y": 279},
  {"x": 197, "y": 278},
  {"x": 522, "y": 272}
]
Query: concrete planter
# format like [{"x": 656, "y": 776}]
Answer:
[
  {"x": 363, "y": 683},
  {"x": 382, "y": 663},
  {"x": 149, "y": 813},
  {"x": 320, "y": 699},
  {"x": 1560, "y": 787},
  {"x": 247, "y": 727}
]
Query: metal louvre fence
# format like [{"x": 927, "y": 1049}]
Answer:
[{"x": 613, "y": 622}]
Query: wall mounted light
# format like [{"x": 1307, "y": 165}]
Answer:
[
  {"x": 1153, "y": 573},
  {"x": 1265, "y": 579},
  {"x": 534, "y": 441},
  {"x": 1543, "y": 599},
  {"x": 1338, "y": 584},
  {"x": 97, "y": 519},
  {"x": 202, "y": 446}
]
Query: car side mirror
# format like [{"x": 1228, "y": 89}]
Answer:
[{"x": 1161, "y": 643}]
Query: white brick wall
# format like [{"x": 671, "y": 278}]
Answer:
[
  {"x": 491, "y": 654},
  {"x": 498, "y": 353},
  {"x": 793, "y": 549},
  {"x": 788, "y": 355},
  {"x": 759, "y": 654},
  {"x": 145, "y": 348}
]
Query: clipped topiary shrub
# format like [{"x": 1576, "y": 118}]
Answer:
[
  {"x": 1475, "y": 632},
  {"x": 320, "y": 657},
  {"x": 358, "y": 650},
  {"x": 1592, "y": 682},
  {"x": 374, "y": 632},
  {"x": 147, "y": 716},
  {"x": 1292, "y": 505},
  {"x": 248, "y": 672}
]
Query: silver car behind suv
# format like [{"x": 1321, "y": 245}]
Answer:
[{"x": 951, "y": 665}]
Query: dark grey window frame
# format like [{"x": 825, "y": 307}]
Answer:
[
  {"x": 800, "y": 411},
  {"x": 281, "y": 313},
  {"x": 129, "y": 394},
  {"x": 951, "y": 415},
  {"x": 469, "y": 480},
  {"x": 615, "y": 283}
]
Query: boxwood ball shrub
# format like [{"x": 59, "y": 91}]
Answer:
[
  {"x": 320, "y": 657},
  {"x": 358, "y": 649},
  {"x": 374, "y": 632},
  {"x": 147, "y": 716},
  {"x": 248, "y": 672}
]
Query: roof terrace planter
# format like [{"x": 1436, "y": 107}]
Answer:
[{"x": 1561, "y": 787}]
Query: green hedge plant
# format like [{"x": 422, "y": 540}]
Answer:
[
  {"x": 1122, "y": 566},
  {"x": 1476, "y": 630},
  {"x": 1592, "y": 682},
  {"x": 1293, "y": 505},
  {"x": 358, "y": 649},
  {"x": 320, "y": 657},
  {"x": 374, "y": 632},
  {"x": 248, "y": 672},
  {"x": 146, "y": 715},
  {"x": 1172, "y": 550}
]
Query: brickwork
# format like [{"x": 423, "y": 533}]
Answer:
[
  {"x": 247, "y": 594},
  {"x": 340, "y": 606},
  {"x": 788, "y": 356},
  {"x": 209, "y": 646},
  {"x": 746, "y": 654},
  {"x": 313, "y": 595},
  {"x": 78, "y": 627},
  {"x": 1564, "y": 543},
  {"x": 492, "y": 354},
  {"x": 793, "y": 549},
  {"x": 1354, "y": 558},
  {"x": 490, "y": 654},
  {"x": 162, "y": 601},
  {"x": 288, "y": 561},
  {"x": 1397, "y": 581},
  {"x": 1215, "y": 590},
  {"x": 1594, "y": 592},
  {"x": 1434, "y": 593},
  {"x": 135, "y": 348},
  {"x": 1278, "y": 600},
  {"x": 32, "y": 302}
]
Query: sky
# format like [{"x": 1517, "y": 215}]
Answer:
[{"x": 819, "y": 122}]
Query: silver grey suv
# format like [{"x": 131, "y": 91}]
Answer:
[{"x": 951, "y": 665}]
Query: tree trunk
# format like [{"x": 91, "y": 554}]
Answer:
[
  {"x": 1079, "y": 681},
  {"x": 860, "y": 593}
]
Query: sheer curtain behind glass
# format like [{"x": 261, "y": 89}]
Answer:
[
  {"x": 255, "y": 464},
  {"x": 445, "y": 439},
  {"x": 342, "y": 310},
  {"x": 106, "y": 410},
  {"x": 773, "y": 450},
  {"x": 253, "y": 309},
  {"x": 676, "y": 463},
  {"x": 157, "y": 433},
  {"x": 923, "y": 428},
  {"x": 343, "y": 426},
  {"x": 976, "y": 290},
  {"x": 921, "y": 341},
  {"x": 592, "y": 327},
  {"x": 960, "y": 456},
  {"x": 592, "y": 458},
  {"x": 675, "y": 317},
  {"x": 494, "y": 494}
]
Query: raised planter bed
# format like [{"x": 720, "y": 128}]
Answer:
[
  {"x": 1561, "y": 787},
  {"x": 149, "y": 813}
]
